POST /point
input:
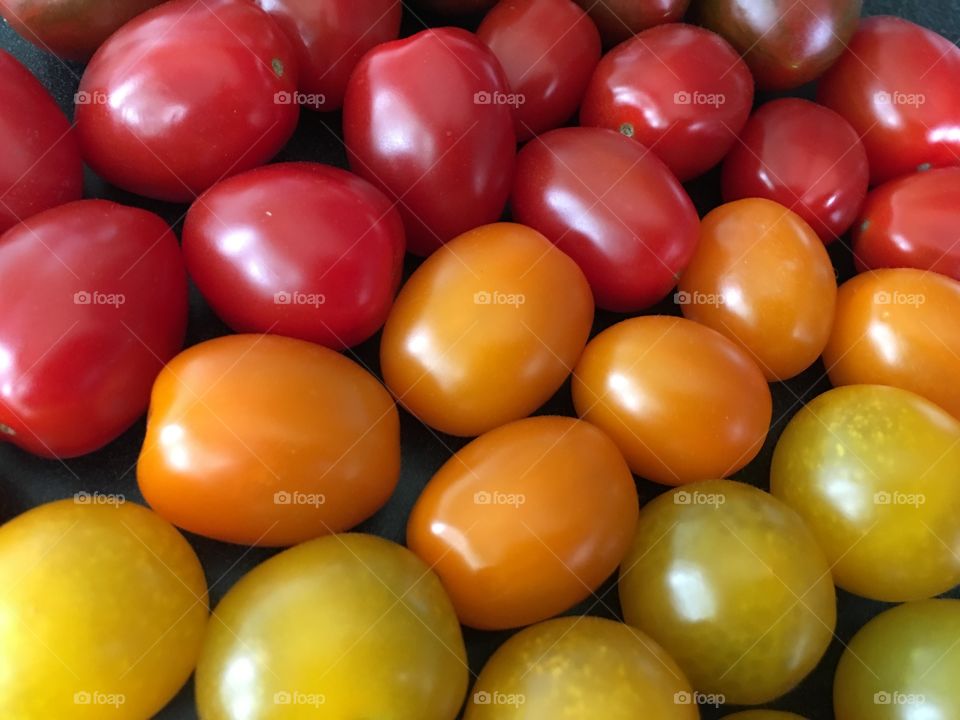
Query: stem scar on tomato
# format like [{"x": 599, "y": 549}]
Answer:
[
  {"x": 277, "y": 66},
  {"x": 627, "y": 129}
]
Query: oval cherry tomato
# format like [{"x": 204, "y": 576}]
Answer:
[
  {"x": 733, "y": 585},
  {"x": 104, "y": 607},
  {"x": 621, "y": 19},
  {"x": 681, "y": 401},
  {"x": 186, "y": 94},
  {"x": 439, "y": 143},
  {"x": 785, "y": 43},
  {"x": 580, "y": 668},
  {"x": 548, "y": 49},
  {"x": 902, "y": 665},
  {"x": 804, "y": 156},
  {"x": 873, "y": 471},
  {"x": 345, "y": 626},
  {"x": 896, "y": 85},
  {"x": 95, "y": 299},
  {"x": 911, "y": 222},
  {"x": 680, "y": 90},
  {"x": 329, "y": 38},
  {"x": 455, "y": 7},
  {"x": 41, "y": 164},
  {"x": 763, "y": 715},
  {"x": 297, "y": 249},
  {"x": 288, "y": 440},
  {"x": 611, "y": 206},
  {"x": 761, "y": 277},
  {"x": 898, "y": 327},
  {"x": 486, "y": 330},
  {"x": 510, "y": 522}
]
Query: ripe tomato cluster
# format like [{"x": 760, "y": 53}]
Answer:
[{"x": 645, "y": 477}]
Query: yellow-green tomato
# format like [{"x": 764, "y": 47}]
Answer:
[
  {"x": 345, "y": 627},
  {"x": 902, "y": 665},
  {"x": 581, "y": 668},
  {"x": 103, "y": 606},
  {"x": 763, "y": 715},
  {"x": 875, "y": 472},
  {"x": 732, "y": 584}
]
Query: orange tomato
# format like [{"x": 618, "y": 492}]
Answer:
[
  {"x": 900, "y": 328},
  {"x": 267, "y": 440},
  {"x": 762, "y": 277},
  {"x": 526, "y": 521},
  {"x": 682, "y": 402},
  {"x": 486, "y": 330}
]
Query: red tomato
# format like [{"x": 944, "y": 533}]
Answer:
[
  {"x": 897, "y": 85},
  {"x": 805, "y": 157},
  {"x": 548, "y": 49},
  {"x": 186, "y": 94},
  {"x": 619, "y": 19},
  {"x": 297, "y": 249},
  {"x": 95, "y": 299},
  {"x": 438, "y": 142},
  {"x": 329, "y": 38},
  {"x": 41, "y": 165},
  {"x": 608, "y": 203},
  {"x": 680, "y": 90},
  {"x": 912, "y": 222}
]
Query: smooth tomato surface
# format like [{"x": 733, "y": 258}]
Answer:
[
  {"x": 186, "y": 94},
  {"x": 345, "y": 626},
  {"x": 763, "y": 715},
  {"x": 804, "y": 156},
  {"x": 613, "y": 207},
  {"x": 440, "y": 143},
  {"x": 298, "y": 249},
  {"x": 285, "y": 439},
  {"x": 96, "y": 302},
  {"x": 680, "y": 90},
  {"x": 526, "y": 521},
  {"x": 732, "y": 584},
  {"x": 621, "y": 19},
  {"x": 682, "y": 402},
  {"x": 486, "y": 330}
]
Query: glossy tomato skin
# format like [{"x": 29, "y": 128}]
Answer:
[
  {"x": 548, "y": 49},
  {"x": 620, "y": 19},
  {"x": 901, "y": 665},
  {"x": 41, "y": 166},
  {"x": 440, "y": 143},
  {"x": 96, "y": 300},
  {"x": 455, "y": 7},
  {"x": 805, "y": 157},
  {"x": 682, "y": 402},
  {"x": 911, "y": 222},
  {"x": 786, "y": 44},
  {"x": 329, "y": 38},
  {"x": 486, "y": 330},
  {"x": 185, "y": 95},
  {"x": 105, "y": 606},
  {"x": 763, "y": 715},
  {"x": 896, "y": 85},
  {"x": 762, "y": 278},
  {"x": 294, "y": 638},
  {"x": 898, "y": 327},
  {"x": 332, "y": 242},
  {"x": 680, "y": 90},
  {"x": 611, "y": 670},
  {"x": 288, "y": 440},
  {"x": 613, "y": 207},
  {"x": 732, "y": 584},
  {"x": 526, "y": 521}
]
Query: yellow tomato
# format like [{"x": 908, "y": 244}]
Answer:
[{"x": 763, "y": 715}]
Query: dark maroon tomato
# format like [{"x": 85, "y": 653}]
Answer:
[
  {"x": 95, "y": 302},
  {"x": 786, "y": 43},
  {"x": 680, "y": 90},
  {"x": 897, "y": 86},
  {"x": 329, "y": 38},
  {"x": 424, "y": 120},
  {"x": 41, "y": 165},
  {"x": 805, "y": 157},
  {"x": 912, "y": 223},
  {"x": 613, "y": 207},
  {"x": 298, "y": 249},
  {"x": 619, "y": 19},
  {"x": 186, "y": 94},
  {"x": 548, "y": 49}
]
